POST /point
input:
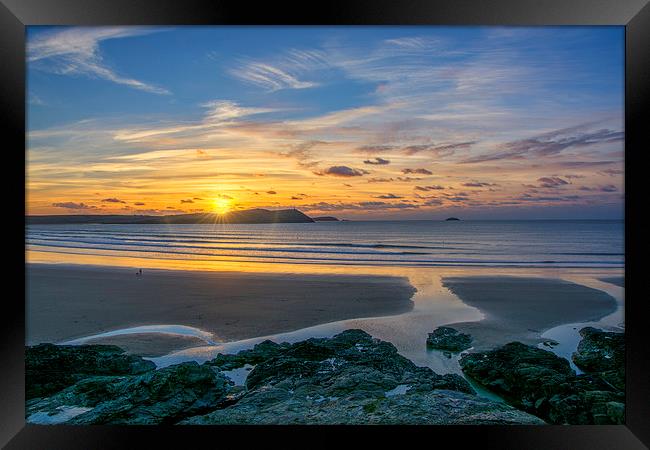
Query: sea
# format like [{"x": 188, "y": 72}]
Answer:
[{"x": 540, "y": 243}]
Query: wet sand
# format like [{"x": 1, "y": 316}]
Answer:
[
  {"x": 522, "y": 308},
  {"x": 69, "y": 302},
  {"x": 618, "y": 281},
  {"x": 150, "y": 344}
]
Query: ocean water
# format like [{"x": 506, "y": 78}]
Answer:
[{"x": 552, "y": 243}]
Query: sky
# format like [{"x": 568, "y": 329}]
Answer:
[{"x": 363, "y": 123}]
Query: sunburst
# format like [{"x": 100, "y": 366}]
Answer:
[{"x": 222, "y": 205}]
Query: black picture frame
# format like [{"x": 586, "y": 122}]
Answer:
[{"x": 16, "y": 14}]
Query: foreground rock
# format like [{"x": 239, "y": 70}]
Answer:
[
  {"x": 440, "y": 407},
  {"x": 158, "y": 397},
  {"x": 543, "y": 384},
  {"x": 350, "y": 363},
  {"x": 351, "y": 378},
  {"x": 261, "y": 352},
  {"x": 602, "y": 353},
  {"x": 50, "y": 368},
  {"x": 449, "y": 339}
]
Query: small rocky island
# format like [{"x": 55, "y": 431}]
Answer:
[
  {"x": 451, "y": 219},
  {"x": 351, "y": 378}
]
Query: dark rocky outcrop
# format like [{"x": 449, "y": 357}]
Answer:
[
  {"x": 276, "y": 405},
  {"x": 260, "y": 352},
  {"x": 544, "y": 384},
  {"x": 157, "y": 397},
  {"x": 602, "y": 353},
  {"x": 50, "y": 368},
  {"x": 351, "y": 378},
  {"x": 449, "y": 339},
  {"x": 350, "y": 363}
]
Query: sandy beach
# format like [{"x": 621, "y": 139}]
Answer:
[
  {"x": 69, "y": 302},
  {"x": 65, "y": 303},
  {"x": 521, "y": 308}
]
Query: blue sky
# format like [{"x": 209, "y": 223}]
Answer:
[{"x": 238, "y": 112}]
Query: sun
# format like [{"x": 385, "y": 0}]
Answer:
[{"x": 222, "y": 205}]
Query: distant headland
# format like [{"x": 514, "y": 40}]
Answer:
[
  {"x": 325, "y": 219},
  {"x": 246, "y": 216}
]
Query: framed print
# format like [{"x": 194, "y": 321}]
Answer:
[{"x": 357, "y": 219}]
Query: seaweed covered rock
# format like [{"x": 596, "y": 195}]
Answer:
[
  {"x": 157, "y": 397},
  {"x": 275, "y": 405},
  {"x": 449, "y": 339},
  {"x": 544, "y": 384},
  {"x": 353, "y": 378},
  {"x": 352, "y": 362},
  {"x": 602, "y": 353},
  {"x": 50, "y": 368},
  {"x": 260, "y": 352}
]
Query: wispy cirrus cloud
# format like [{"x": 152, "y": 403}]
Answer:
[
  {"x": 269, "y": 77},
  {"x": 550, "y": 144},
  {"x": 223, "y": 110},
  {"x": 218, "y": 113},
  {"x": 418, "y": 43},
  {"x": 75, "y": 51},
  {"x": 162, "y": 154},
  {"x": 371, "y": 148},
  {"x": 437, "y": 149},
  {"x": 34, "y": 99},
  {"x": 302, "y": 152},
  {"x": 284, "y": 72}
]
